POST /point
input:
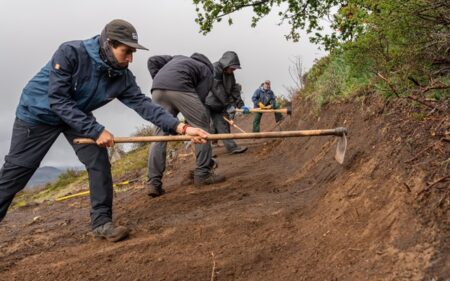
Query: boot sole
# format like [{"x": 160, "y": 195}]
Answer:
[{"x": 121, "y": 236}]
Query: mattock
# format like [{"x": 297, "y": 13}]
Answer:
[{"x": 339, "y": 132}]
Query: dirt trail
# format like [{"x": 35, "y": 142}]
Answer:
[{"x": 288, "y": 211}]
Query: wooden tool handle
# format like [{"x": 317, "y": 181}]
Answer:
[
  {"x": 260, "y": 110},
  {"x": 285, "y": 134},
  {"x": 233, "y": 124}
]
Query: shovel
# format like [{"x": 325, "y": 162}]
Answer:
[{"x": 340, "y": 132}]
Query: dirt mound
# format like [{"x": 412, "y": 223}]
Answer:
[{"x": 288, "y": 211}]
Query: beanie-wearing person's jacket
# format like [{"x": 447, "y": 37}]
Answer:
[
  {"x": 77, "y": 81},
  {"x": 192, "y": 74},
  {"x": 225, "y": 90},
  {"x": 266, "y": 97}
]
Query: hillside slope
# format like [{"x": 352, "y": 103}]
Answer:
[{"x": 288, "y": 211}]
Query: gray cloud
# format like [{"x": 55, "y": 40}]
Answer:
[{"x": 32, "y": 30}]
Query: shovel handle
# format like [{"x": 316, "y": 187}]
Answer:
[
  {"x": 285, "y": 134},
  {"x": 233, "y": 124},
  {"x": 260, "y": 110}
]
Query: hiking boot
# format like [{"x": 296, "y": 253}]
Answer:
[
  {"x": 213, "y": 164},
  {"x": 188, "y": 177},
  {"x": 211, "y": 178},
  {"x": 111, "y": 233},
  {"x": 238, "y": 149},
  {"x": 154, "y": 191}
]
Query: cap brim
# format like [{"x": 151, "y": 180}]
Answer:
[
  {"x": 133, "y": 45},
  {"x": 235, "y": 66}
]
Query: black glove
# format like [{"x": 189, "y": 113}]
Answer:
[{"x": 231, "y": 109}]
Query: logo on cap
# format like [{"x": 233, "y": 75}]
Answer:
[{"x": 134, "y": 35}]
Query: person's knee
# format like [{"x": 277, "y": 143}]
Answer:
[{"x": 95, "y": 158}]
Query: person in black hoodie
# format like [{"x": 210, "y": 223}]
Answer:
[
  {"x": 225, "y": 95},
  {"x": 181, "y": 84}
]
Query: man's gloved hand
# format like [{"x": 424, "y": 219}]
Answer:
[
  {"x": 245, "y": 109},
  {"x": 261, "y": 105},
  {"x": 231, "y": 109}
]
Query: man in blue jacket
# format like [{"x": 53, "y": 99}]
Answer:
[
  {"x": 264, "y": 98},
  {"x": 181, "y": 84},
  {"x": 81, "y": 77}
]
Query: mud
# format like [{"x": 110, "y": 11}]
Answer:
[{"x": 287, "y": 211}]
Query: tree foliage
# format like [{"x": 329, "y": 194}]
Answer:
[
  {"x": 406, "y": 42},
  {"x": 303, "y": 14}
]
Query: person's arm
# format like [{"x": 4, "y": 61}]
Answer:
[
  {"x": 205, "y": 84},
  {"x": 273, "y": 99},
  {"x": 255, "y": 98},
  {"x": 236, "y": 94},
  {"x": 219, "y": 92},
  {"x": 143, "y": 105},
  {"x": 62, "y": 65}
]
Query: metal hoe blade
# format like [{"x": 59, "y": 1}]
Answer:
[{"x": 341, "y": 148}]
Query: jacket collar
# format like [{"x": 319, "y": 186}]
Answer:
[{"x": 92, "y": 46}]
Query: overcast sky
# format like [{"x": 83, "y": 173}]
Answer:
[{"x": 31, "y": 31}]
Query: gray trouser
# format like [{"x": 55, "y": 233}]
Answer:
[
  {"x": 30, "y": 143},
  {"x": 222, "y": 127},
  {"x": 190, "y": 105}
]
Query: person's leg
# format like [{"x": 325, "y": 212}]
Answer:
[
  {"x": 196, "y": 114},
  {"x": 96, "y": 161},
  {"x": 256, "y": 122},
  {"x": 29, "y": 144},
  {"x": 278, "y": 116},
  {"x": 97, "y": 164},
  {"x": 223, "y": 127},
  {"x": 157, "y": 153}
]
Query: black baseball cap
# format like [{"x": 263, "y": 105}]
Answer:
[{"x": 123, "y": 32}]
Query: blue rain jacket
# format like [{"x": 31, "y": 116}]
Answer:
[{"x": 75, "y": 82}]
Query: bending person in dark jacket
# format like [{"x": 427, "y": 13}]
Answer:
[
  {"x": 225, "y": 93},
  {"x": 180, "y": 84},
  {"x": 81, "y": 77},
  {"x": 264, "y": 98}
]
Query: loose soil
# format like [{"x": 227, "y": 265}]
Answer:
[{"x": 287, "y": 211}]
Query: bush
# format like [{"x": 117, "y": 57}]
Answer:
[{"x": 143, "y": 131}]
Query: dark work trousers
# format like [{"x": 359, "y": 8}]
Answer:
[
  {"x": 196, "y": 114},
  {"x": 223, "y": 127},
  {"x": 30, "y": 143},
  {"x": 257, "y": 119}
]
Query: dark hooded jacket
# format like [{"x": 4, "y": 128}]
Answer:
[
  {"x": 225, "y": 90},
  {"x": 77, "y": 81},
  {"x": 192, "y": 74}
]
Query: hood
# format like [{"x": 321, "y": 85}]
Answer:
[
  {"x": 203, "y": 59},
  {"x": 229, "y": 58},
  {"x": 155, "y": 63},
  {"x": 92, "y": 46}
]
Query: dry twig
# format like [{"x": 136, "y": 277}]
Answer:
[
  {"x": 420, "y": 153},
  {"x": 414, "y": 98},
  {"x": 443, "y": 179},
  {"x": 213, "y": 271}
]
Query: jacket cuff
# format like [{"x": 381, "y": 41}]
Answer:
[
  {"x": 174, "y": 127},
  {"x": 98, "y": 129}
]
